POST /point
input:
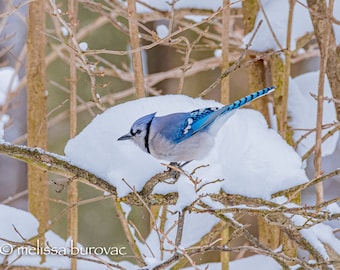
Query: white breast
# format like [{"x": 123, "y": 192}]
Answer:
[{"x": 193, "y": 148}]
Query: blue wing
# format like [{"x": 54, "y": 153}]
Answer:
[
  {"x": 177, "y": 127},
  {"x": 201, "y": 119},
  {"x": 198, "y": 120}
]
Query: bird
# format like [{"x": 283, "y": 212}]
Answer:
[{"x": 184, "y": 136}]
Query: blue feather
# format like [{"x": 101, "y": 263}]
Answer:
[{"x": 200, "y": 119}]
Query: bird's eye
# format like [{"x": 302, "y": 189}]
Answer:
[{"x": 134, "y": 133}]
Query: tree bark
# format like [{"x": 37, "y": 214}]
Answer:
[
  {"x": 72, "y": 195},
  {"x": 320, "y": 17},
  {"x": 36, "y": 120}
]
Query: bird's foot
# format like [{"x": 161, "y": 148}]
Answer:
[{"x": 175, "y": 169}]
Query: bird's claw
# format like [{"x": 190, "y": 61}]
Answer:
[{"x": 175, "y": 169}]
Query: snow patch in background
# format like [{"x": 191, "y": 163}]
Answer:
[
  {"x": 2, "y": 131},
  {"x": 163, "y": 5},
  {"x": 162, "y": 30},
  {"x": 302, "y": 108},
  {"x": 277, "y": 14},
  {"x": 9, "y": 82},
  {"x": 83, "y": 46},
  {"x": 253, "y": 262}
]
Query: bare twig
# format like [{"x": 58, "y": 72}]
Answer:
[
  {"x": 234, "y": 67},
  {"x": 293, "y": 191},
  {"x": 83, "y": 61},
  {"x": 270, "y": 26},
  {"x": 180, "y": 227}
]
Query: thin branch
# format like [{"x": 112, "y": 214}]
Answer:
[
  {"x": 234, "y": 67},
  {"x": 296, "y": 189},
  {"x": 15, "y": 197},
  {"x": 269, "y": 25},
  {"x": 326, "y": 29},
  {"x": 129, "y": 236},
  {"x": 180, "y": 227},
  {"x": 84, "y": 64}
]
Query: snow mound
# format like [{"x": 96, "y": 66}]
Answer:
[{"x": 247, "y": 157}]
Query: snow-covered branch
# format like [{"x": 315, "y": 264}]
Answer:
[{"x": 53, "y": 163}]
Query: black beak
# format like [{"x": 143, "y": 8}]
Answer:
[{"x": 125, "y": 137}]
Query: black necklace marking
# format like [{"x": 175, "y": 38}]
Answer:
[{"x": 146, "y": 138}]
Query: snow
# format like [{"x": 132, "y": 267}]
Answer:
[
  {"x": 195, "y": 18},
  {"x": 162, "y": 30},
  {"x": 336, "y": 27},
  {"x": 64, "y": 31},
  {"x": 302, "y": 108},
  {"x": 333, "y": 208},
  {"x": 9, "y": 82},
  {"x": 218, "y": 53},
  {"x": 330, "y": 163},
  {"x": 83, "y": 46},
  {"x": 253, "y": 262},
  {"x": 202, "y": 223},
  {"x": 245, "y": 155},
  {"x": 163, "y": 5},
  {"x": 321, "y": 234},
  {"x": 16, "y": 224},
  {"x": 2, "y": 131},
  {"x": 277, "y": 14}
]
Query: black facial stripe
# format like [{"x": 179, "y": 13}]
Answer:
[{"x": 146, "y": 138}]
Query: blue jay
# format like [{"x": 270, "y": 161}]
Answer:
[{"x": 184, "y": 136}]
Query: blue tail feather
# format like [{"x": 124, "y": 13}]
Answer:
[{"x": 238, "y": 103}]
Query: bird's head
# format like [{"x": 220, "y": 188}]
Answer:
[{"x": 139, "y": 132}]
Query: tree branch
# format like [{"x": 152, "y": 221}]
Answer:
[{"x": 53, "y": 163}]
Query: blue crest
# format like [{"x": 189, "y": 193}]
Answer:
[{"x": 145, "y": 119}]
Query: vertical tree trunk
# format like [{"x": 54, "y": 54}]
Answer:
[
  {"x": 256, "y": 71},
  {"x": 225, "y": 91},
  {"x": 318, "y": 13},
  {"x": 36, "y": 121},
  {"x": 326, "y": 41},
  {"x": 72, "y": 226},
  {"x": 268, "y": 235},
  {"x": 137, "y": 55},
  {"x": 225, "y": 99},
  {"x": 285, "y": 130}
]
